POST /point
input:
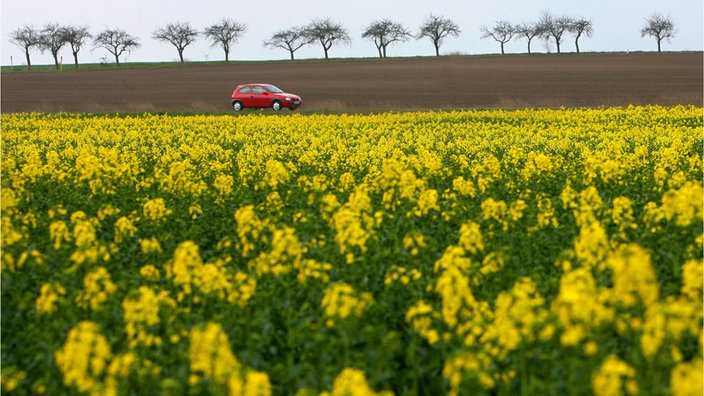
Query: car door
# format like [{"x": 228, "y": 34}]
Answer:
[
  {"x": 245, "y": 95},
  {"x": 260, "y": 96}
]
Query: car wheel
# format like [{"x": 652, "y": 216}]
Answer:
[
  {"x": 276, "y": 105},
  {"x": 237, "y": 106}
]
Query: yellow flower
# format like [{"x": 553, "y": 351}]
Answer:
[
  {"x": 83, "y": 233},
  {"x": 150, "y": 245},
  {"x": 352, "y": 382},
  {"x": 592, "y": 245},
  {"x": 84, "y": 357},
  {"x": 141, "y": 312},
  {"x": 11, "y": 377},
  {"x": 210, "y": 355},
  {"x": 58, "y": 232},
  {"x": 614, "y": 377},
  {"x": 156, "y": 210},
  {"x": 276, "y": 173},
  {"x": 580, "y": 305},
  {"x": 285, "y": 254},
  {"x": 684, "y": 205},
  {"x": 421, "y": 316},
  {"x": 687, "y": 379},
  {"x": 471, "y": 237},
  {"x": 414, "y": 242},
  {"x": 50, "y": 294},
  {"x": 97, "y": 289},
  {"x": 692, "y": 279},
  {"x": 401, "y": 274},
  {"x": 427, "y": 201},
  {"x": 590, "y": 348},
  {"x": 341, "y": 300},
  {"x": 150, "y": 273},
  {"x": 633, "y": 276},
  {"x": 124, "y": 228},
  {"x": 249, "y": 228},
  {"x": 223, "y": 184}
]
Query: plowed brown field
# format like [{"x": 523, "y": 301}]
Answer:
[{"x": 511, "y": 81}]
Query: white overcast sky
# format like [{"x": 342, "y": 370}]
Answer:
[{"x": 617, "y": 25}]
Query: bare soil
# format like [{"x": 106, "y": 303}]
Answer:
[{"x": 451, "y": 82}]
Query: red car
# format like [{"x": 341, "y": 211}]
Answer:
[{"x": 263, "y": 95}]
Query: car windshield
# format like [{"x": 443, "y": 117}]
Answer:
[{"x": 273, "y": 89}]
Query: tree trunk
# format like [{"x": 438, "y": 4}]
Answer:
[
  {"x": 117, "y": 60},
  {"x": 576, "y": 44},
  {"x": 291, "y": 51},
  {"x": 659, "y": 40},
  {"x": 502, "y": 49},
  {"x": 180, "y": 55},
  {"x": 437, "y": 50},
  {"x": 75, "y": 59},
  {"x": 29, "y": 64}
]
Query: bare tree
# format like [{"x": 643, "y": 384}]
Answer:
[
  {"x": 326, "y": 32},
  {"x": 529, "y": 31},
  {"x": 76, "y": 37},
  {"x": 117, "y": 42},
  {"x": 27, "y": 38},
  {"x": 436, "y": 29},
  {"x": 580, "y": 26},
  {"x": 179, "y": 34},
  {"x": 502, "y": 32},
  {"x": 660, "y": 27},
  {"x": 52, "y": 39},
  {"x": 554, "y": 27},
  {"x": 385, "y": 32},
  {"x": 225, "y": 33},
  {"x": 291, "y": 40}
]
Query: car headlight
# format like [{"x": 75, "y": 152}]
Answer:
[{"x": 288, "y": 99}]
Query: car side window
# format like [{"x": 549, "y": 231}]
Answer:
[
  {"x": 245, "y": 90},
  {"x": 257, "y": 90}
]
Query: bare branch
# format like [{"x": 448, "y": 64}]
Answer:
[
  {"x": 660, "y": 27},
  {"x": 179, "y": 34},
  {"x": 27, "y": 38},
  {"x": 436, "y": 29},
  {"x": 385, "y": 32},
  {"x": 326, "y": 32},
  {"x": 225, "y": 33},
  {"x": 116, "y": 41},
  {"x": 291, "y": 40},
  {"x": 502, "y": 32},
  {"x": 76, "y": 38}
]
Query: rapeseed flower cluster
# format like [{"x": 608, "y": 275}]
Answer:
[{"x": 464, "y": 252}]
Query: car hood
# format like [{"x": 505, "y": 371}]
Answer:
[{"x": 291, "y": 96}]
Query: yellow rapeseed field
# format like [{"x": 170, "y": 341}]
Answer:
[{"x": 468, "y": 252}]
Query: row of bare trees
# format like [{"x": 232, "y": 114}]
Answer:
[
  {"x": 548, "y": 27},
  {"x": 52, "y": 37},
  {"x": 554, "y": 28},
  {"x": 383, "y": 33}
]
